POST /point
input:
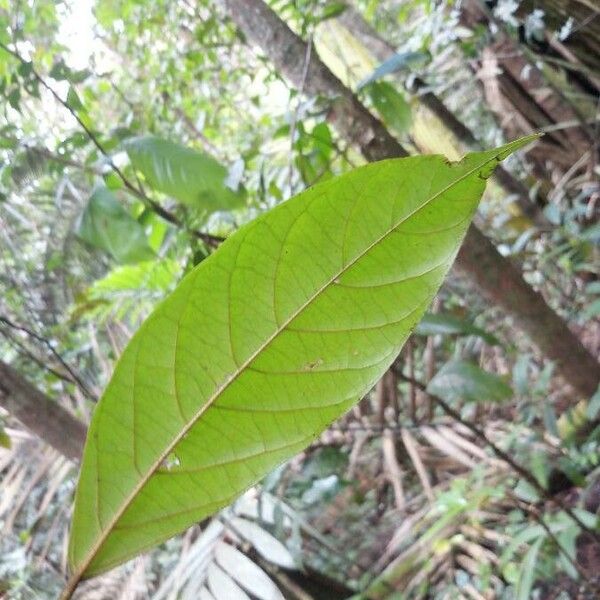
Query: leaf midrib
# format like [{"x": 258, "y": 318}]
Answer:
[{"x": 217, "y": 393}]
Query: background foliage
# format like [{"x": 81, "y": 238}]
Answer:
[{"x": 110, "y": 104}]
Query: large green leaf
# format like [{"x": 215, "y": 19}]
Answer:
[
  {"x": 187, "y": 175},
  {"x": 105, "y": 224},
  {"x": 263, "y": 345}
]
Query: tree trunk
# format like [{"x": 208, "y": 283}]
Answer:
[
  {"x": 524, "y": 101},
  {"x": 353, "y": 21},
  {"x": 40, "y": 414},
  {"x": 498, "y": 279},
  {"x": 529, "y": 311}
]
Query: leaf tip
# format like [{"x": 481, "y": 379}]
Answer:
[
  {"x": 503, "y": 152},
  {"x": 506, "y": 150}
]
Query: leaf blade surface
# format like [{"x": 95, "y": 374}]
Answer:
[
  {"x": 192, "y": 177},
  {"x": 263, "y": 345}
]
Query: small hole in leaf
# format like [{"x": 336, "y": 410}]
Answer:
[{"x": 170, "y": 462}]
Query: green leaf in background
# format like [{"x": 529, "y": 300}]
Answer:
[
  {"x": 462, "y": 380},
  {"x": 106, "y": 225},
  {"x": 527, "y": 571},
  {"x": 5, "y": 441},
  {"x": 73, "y": 100},
  {"x": 187, "y": 175},
  {"x": 592, "y": 310},
  {"x": 398, "y": 62},
  {"x": 61, "y": 72},
  {"x": 128, "y": 290},
  {"x": 520, "y": 374},
  {"x": 313, "y": 158},
  {"x": 265, "y": 343},
  {"x": 593, "y": 407},
  {"x": 391, "y": 105},
  {"x": 151, "y": 276},
  {"x": 441, "y": 324},
  {"x": 332, "y": 10}
]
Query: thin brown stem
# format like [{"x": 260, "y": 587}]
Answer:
[
  {"x": 49, "y": 346},
  {"x": 209, "y": 239},
  {"x": 504, "y": 456}
]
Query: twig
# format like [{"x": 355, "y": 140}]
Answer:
[
  {"x": 22, "y": 350},
  {"x": 412, "y": 392},
  {"x": 42, "y": 151},
  {"x": 46, "y": 342},
  {"x": 502, "y": 455},
  {"x": 211, "y": 240},
  {"x": 376, "y": 429},
  {"x": 540, "y": 519},
  {"x": 295, "y": 113},
  {"x": 393, "y": 469}
]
